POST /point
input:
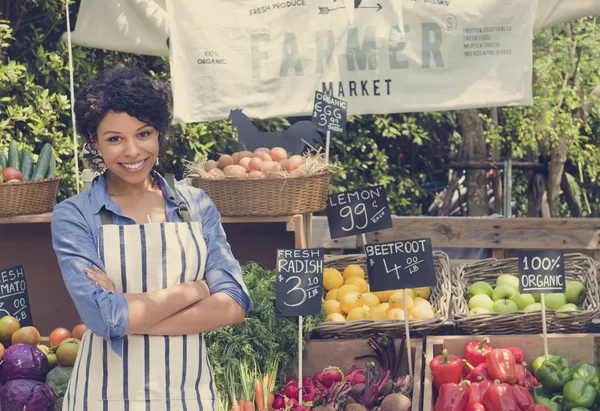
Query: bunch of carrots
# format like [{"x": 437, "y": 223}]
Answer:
[{"x": 254, "y": 389}]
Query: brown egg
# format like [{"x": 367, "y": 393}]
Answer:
[
  {"x": 278, "y": 154},
  {"x": 263, "y": 156},
  {"x": 255, "y": 175},
  {"x": 235, "y": 171},
  {"x": 224, "y": 161},
  {"x": 255, "y": 163},
  {"x": 284, "y": 164},
  {"x": 216, "y": 173},
  {"x": 236, "y": 157},
  {"x": 296, "y": 173},
  {"x": 270, "y": 166},
  {"x": 245, "y": 154},
  {"x": 262, "y": 150},
  {"x": 245, "y": 162},
  {"x": 210, "y": 164},
  {"x": 294, "y": 162}
]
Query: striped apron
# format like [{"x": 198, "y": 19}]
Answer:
[{"x": 156, "y": 373}]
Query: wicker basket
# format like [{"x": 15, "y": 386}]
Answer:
[
  {"x": 440, "y": 300},
  {"x": 267, "y": 196},
  {"x": 28, "y": 197},
  {"x": 577, "y": 267}
]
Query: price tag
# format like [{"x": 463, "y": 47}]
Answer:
[
  {"x": 299, "y": 283},
  {"x": 400, "y": 264},
  {"x": 329, "y": 113},
  {"x": 358, "y": 211},
  {"x": 14, "y": 299},
  {"x": 541, "y": 271}
]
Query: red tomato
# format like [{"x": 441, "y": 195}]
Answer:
[
  {"x": 78, "y": 331},
  {"x": 58, "y": 335},
  {"x": 26, "y": 335},
  {"x": 66, "y": 353},
  {"x": 11, "y": 173}
]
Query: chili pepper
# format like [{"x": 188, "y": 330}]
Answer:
[
  {"x": 475, "y": 351},
  {"x": 538, "y": 407},
  {"x": 478, "y": 373},
  {"x": 477, "y": 390},
  {"x": 500, "y": 397},
  {"x": 554, "y": 373},
  {"x": 517, "y": 353},
  {"x": 446, "y": 368},
  {"x": 578, "y": 393},
  {"x": 501, "y": 365},
  {"x": 586, "y": 372},
  {"x": 452, "y": 397},
  {"x": 540, "y": 397},
  {"x": 523, "y": 397},
  {"x": 521, "y": 374}
]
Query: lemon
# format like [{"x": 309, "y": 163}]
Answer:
[
  {"x": 397, "y": 301},
  {"x": 332, "y": 278},
  {"x": 384, "y": 296},
  {"x": 395, "y": 314},
  {"x": 379, "y": 312},
  {"x": 409, "y": 292},
  {"x": 332, "y": 294},
  {"x": 421, "y": 310},
  {"x": 344, "y": 289},
  {"x": 350, "y": 301},
  {"x": 358, "y": 313},
  {"x": 361, "y": 283},
  {"x": 335, "y": 317},
  {"x": 423, "y": 292},
  {"x": 369, "y": 299},
  {"x": 354, "y": 270},
  {"x": 332, "y": 307}
]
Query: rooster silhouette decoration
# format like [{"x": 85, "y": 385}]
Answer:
[{"x": 293, "y": 139}]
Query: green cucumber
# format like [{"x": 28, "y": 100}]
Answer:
[
  {"x": 13, "y": 154},
  {"x": 2, "y": 159},
  {"x": 52, "y": 166},
  {"x": 26, "y": 164},
  {"x": 41, "y": 168}
]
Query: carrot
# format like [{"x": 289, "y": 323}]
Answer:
[
  {"x": 248, "y": 406},
  {"x": 236, "y": 408},
  {"x": 258, "y": 389},
  {"x": 270, "y": 400}
]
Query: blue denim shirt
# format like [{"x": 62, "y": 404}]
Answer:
[{"x": 75, "y": 229}]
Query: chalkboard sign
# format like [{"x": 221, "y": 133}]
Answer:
[
  {"x": 329, "y": 113},
  {"x": 541, "y": 271},
  {"x": 358, "y": 211},
  {"x": 14, "y": 299},
  {"x": 400, "y": 264},
  {"x": 299, "y": 283}
]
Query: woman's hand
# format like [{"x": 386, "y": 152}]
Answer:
[{"x": 100, "y": 278}]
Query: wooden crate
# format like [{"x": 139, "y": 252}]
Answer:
[
  {"x": 341, "y": 353},
  {"x": 574, "y": 347}
]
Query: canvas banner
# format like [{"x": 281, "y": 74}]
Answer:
[{"x": 269, "y": 56}]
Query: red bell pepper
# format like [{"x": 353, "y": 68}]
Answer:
[
  {"x": 521, "y": 374},
  {"x": 500, "y": 397},
  {"x": 446, "y": 369},
  {"x": 475, "y": 407},
  {"x": 517, "y": 353},
  {"x": 476, "y": 374},
  {"x": 531, "y": 381},
  {"x": 477, "y": 390},
  {"x": 501, "y": 365},
  {"x": 475, "y": 351},
  {"x": 538, "y": 407},
  {"x": 523, "y": 397},
  {"x": 452, "y": 397}
]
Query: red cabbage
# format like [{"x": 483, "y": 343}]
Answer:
[
  {"x": 24, "y": 362},
  {"x": 18, "y": 395}
]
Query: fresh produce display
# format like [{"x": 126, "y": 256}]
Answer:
[
  {"x": 348, "y": 298},
  {"x": 262, "y": 163},
  {"x": 505, "y": 297},
  {"x": 20, "y": 165},
  {"x": 501, "y": 381}
]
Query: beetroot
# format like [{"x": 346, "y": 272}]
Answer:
[
  {"x": 278, "y": 402},
  {"x": 290, "y": 379},
  {"x": 306, "y": 381},
  {"x": 291, "y": 402},
  {"x": 291, "y": 390},
  {"x": 331, "y": 375},
  {"x": 318, "y": 377},
  {"x": 357, "y": 376},
  {"x": 301, "y": 408}
]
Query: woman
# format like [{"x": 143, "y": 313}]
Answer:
[{"x": 147, "y": 265}]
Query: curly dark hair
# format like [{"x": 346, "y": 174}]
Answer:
[{"x": 122, "y": 90}]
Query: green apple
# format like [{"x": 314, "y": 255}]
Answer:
[
  {"x": 522, "y": 300},
  {"x": 555, "y": 301},
  {"x": 504, "y": 292},
  {"x": 508, "y": 279},
  {"x": 562, "y": 311},
  {"x": 481, "y": 300},
  {"x": 537, "y": 297},
  {"x": 504, "y": 306},
  {"x": 480, "y": 287},
  {"x": 478, "y": 310},
  {"x": 533, "y": 307},
  {"x": 575, "y": 292}
]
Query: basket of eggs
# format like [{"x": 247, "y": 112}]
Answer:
[{"x": 265, "y": 182}]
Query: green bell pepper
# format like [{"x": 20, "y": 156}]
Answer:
[
  {"x": 579, "y": 409},
  {"x": 578, "y": 393},
  {"x": 586, "y": 372},
  {"x": 537, "y": 363},
  {"x": 541, "y": 397},
  {"x": 554, "y": 373}
]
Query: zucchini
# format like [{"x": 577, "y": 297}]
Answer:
[
  {"x": 52, "y": 166},
  {"x": 26, "y": 164},
  {"x": 41, "y": 168},
  {"x": 2, "y": 159},
  {"x": 13, "y": 154}
]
